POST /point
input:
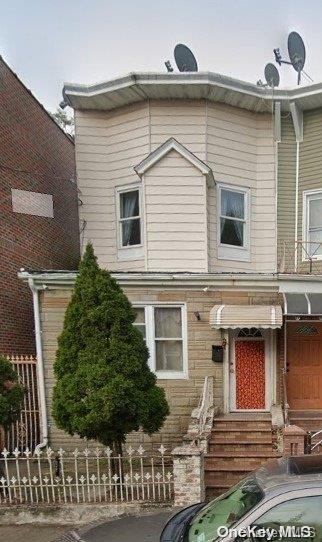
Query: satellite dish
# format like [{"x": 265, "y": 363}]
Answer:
[
  {"x": 271, "y": 75},
  {"x": 185, "y": 59},
  {"x": 296, "y": 50}
]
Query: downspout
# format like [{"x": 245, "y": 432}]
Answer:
[
  {"x": 40, "y": 367},
  {"x": 297, "y": 203}
]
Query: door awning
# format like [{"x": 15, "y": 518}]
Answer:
[
  {"x": 249, "y": 316},
  {"x": 296, "y": 304}
]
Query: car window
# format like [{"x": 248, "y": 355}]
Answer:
[
  {"x": 224, "y": 512},
  {"x": 297, "y": 519}
]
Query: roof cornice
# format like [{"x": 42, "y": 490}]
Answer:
[
  {"x": 138, "y": 86},
  {"x": 198, "y": 281}
]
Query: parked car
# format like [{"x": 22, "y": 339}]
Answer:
[{"x": 281, "y": 500}]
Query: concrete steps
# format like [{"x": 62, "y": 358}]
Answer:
[{"x": 239, "y": 444}]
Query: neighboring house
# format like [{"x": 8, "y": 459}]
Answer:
[
  {"x": 192, "y": 191},
  {"x": 38, "y": 205}
]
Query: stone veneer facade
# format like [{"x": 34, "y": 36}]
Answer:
[{"x": 183, "y": 395}]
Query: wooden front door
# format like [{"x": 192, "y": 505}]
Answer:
[
  {"x": 249, "y": 375},
  {"x": 304, "y": 359}
]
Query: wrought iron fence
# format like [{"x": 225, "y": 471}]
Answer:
[
  {"x": 25, "y": 432},
  {"x": 85, "y": 476}
]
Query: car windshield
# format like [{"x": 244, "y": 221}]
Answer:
[{"x": 224, "y": 512}]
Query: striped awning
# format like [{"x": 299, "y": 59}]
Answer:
[{"x": 239, "y": 316}]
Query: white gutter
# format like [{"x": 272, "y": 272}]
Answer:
[{"x": 40, "y": 367}]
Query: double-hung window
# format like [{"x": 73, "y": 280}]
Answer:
[
  {"x": 312, "y": 224},
  {"x": 129, "y": 217},
  {"x": 233, "y": 223},
  {"x": 164, "y": 330}
]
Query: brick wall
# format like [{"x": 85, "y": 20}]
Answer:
[
  {"x": 35, "y": 156},
  {"x": 183, "y": 395}
]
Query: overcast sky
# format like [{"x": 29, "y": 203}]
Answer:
[{"x": 48, "y": 42}]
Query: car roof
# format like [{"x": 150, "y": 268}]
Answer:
[{"x": 290, "y": 473}]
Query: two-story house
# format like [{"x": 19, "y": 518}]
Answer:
[{"x": 193, "y": 187}]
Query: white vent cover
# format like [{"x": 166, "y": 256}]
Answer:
[{"x": 32, "y": 203}]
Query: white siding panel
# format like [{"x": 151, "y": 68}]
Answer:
[
  {"x": 170, "y": 219},
  {"x": 108, "y": 146},
  {"x": 181, "y": 212},
  {"x": 241, "y": 152},
  {"x": 183, "y": 120}
]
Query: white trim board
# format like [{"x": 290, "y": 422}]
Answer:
[{"x": 164, "y": 149}]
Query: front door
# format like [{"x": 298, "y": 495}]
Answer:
[
  {"x": 248, "y": 371},
  {"x": 304, "y": 360}
]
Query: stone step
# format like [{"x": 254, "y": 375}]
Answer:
[
  {"x": 241, "y": 438},
  {"x": 239, "y": 444},
  {"x": 234, "y": 463},
  {"x": 305, "y": 414},
  {"x": 226, "y": 478},
  {"x": 241, "y": 429},
  {"x": 241, "y": 454},
  {"x": 253, "y": 417},
  {"x": 244, "y": 446},
  {"x": 239, "y": 424}
]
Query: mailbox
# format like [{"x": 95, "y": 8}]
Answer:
[{"x": 217, "y": 353}]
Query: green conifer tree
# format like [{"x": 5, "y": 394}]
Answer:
[{"x": 104, "y": 388}]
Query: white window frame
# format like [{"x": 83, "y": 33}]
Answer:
[
  {"x": 231, "y": 252},
  {"x": 150, "y": 338},
  {"x": 130, "y": 252},
  {"x": 308, "y": 196}
]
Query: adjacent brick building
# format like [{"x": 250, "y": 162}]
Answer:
[{"x": 38, "y": 205}]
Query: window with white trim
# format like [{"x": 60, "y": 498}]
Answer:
[
  {"x": 129, "y": 206},
  {"x": 312, "y": 224},
  {"x": 233, "y": 223},
  {"x": 164, "y": 330}
]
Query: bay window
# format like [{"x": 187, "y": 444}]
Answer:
[
  {"x": 164, "y": 330},
  {"x": 129, "y": 217},
  {"x": 233, "y": 223}
]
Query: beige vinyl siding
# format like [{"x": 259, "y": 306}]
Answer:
[
  {"x": 286, "y": 189},
  {"x": 310, "y": 166},
  {"x": 310, "y": 178},
  {"x": 183, "y": 120},
  {"x": 310, "y": 170},
  {"x": 236, "y": 144},
  {"x": 175, "y": 203},
  {"x": 108, "y": 146},
  {"x": 241, "y": 152}
]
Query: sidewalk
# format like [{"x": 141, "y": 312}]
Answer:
[
  {"x": 31, "y": 533},
  {"x": 146, "y": 528}
]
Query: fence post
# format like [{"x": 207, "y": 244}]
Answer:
[
  {"x": 188, "y": 475},
  {"x": 293, "y": 440}
]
